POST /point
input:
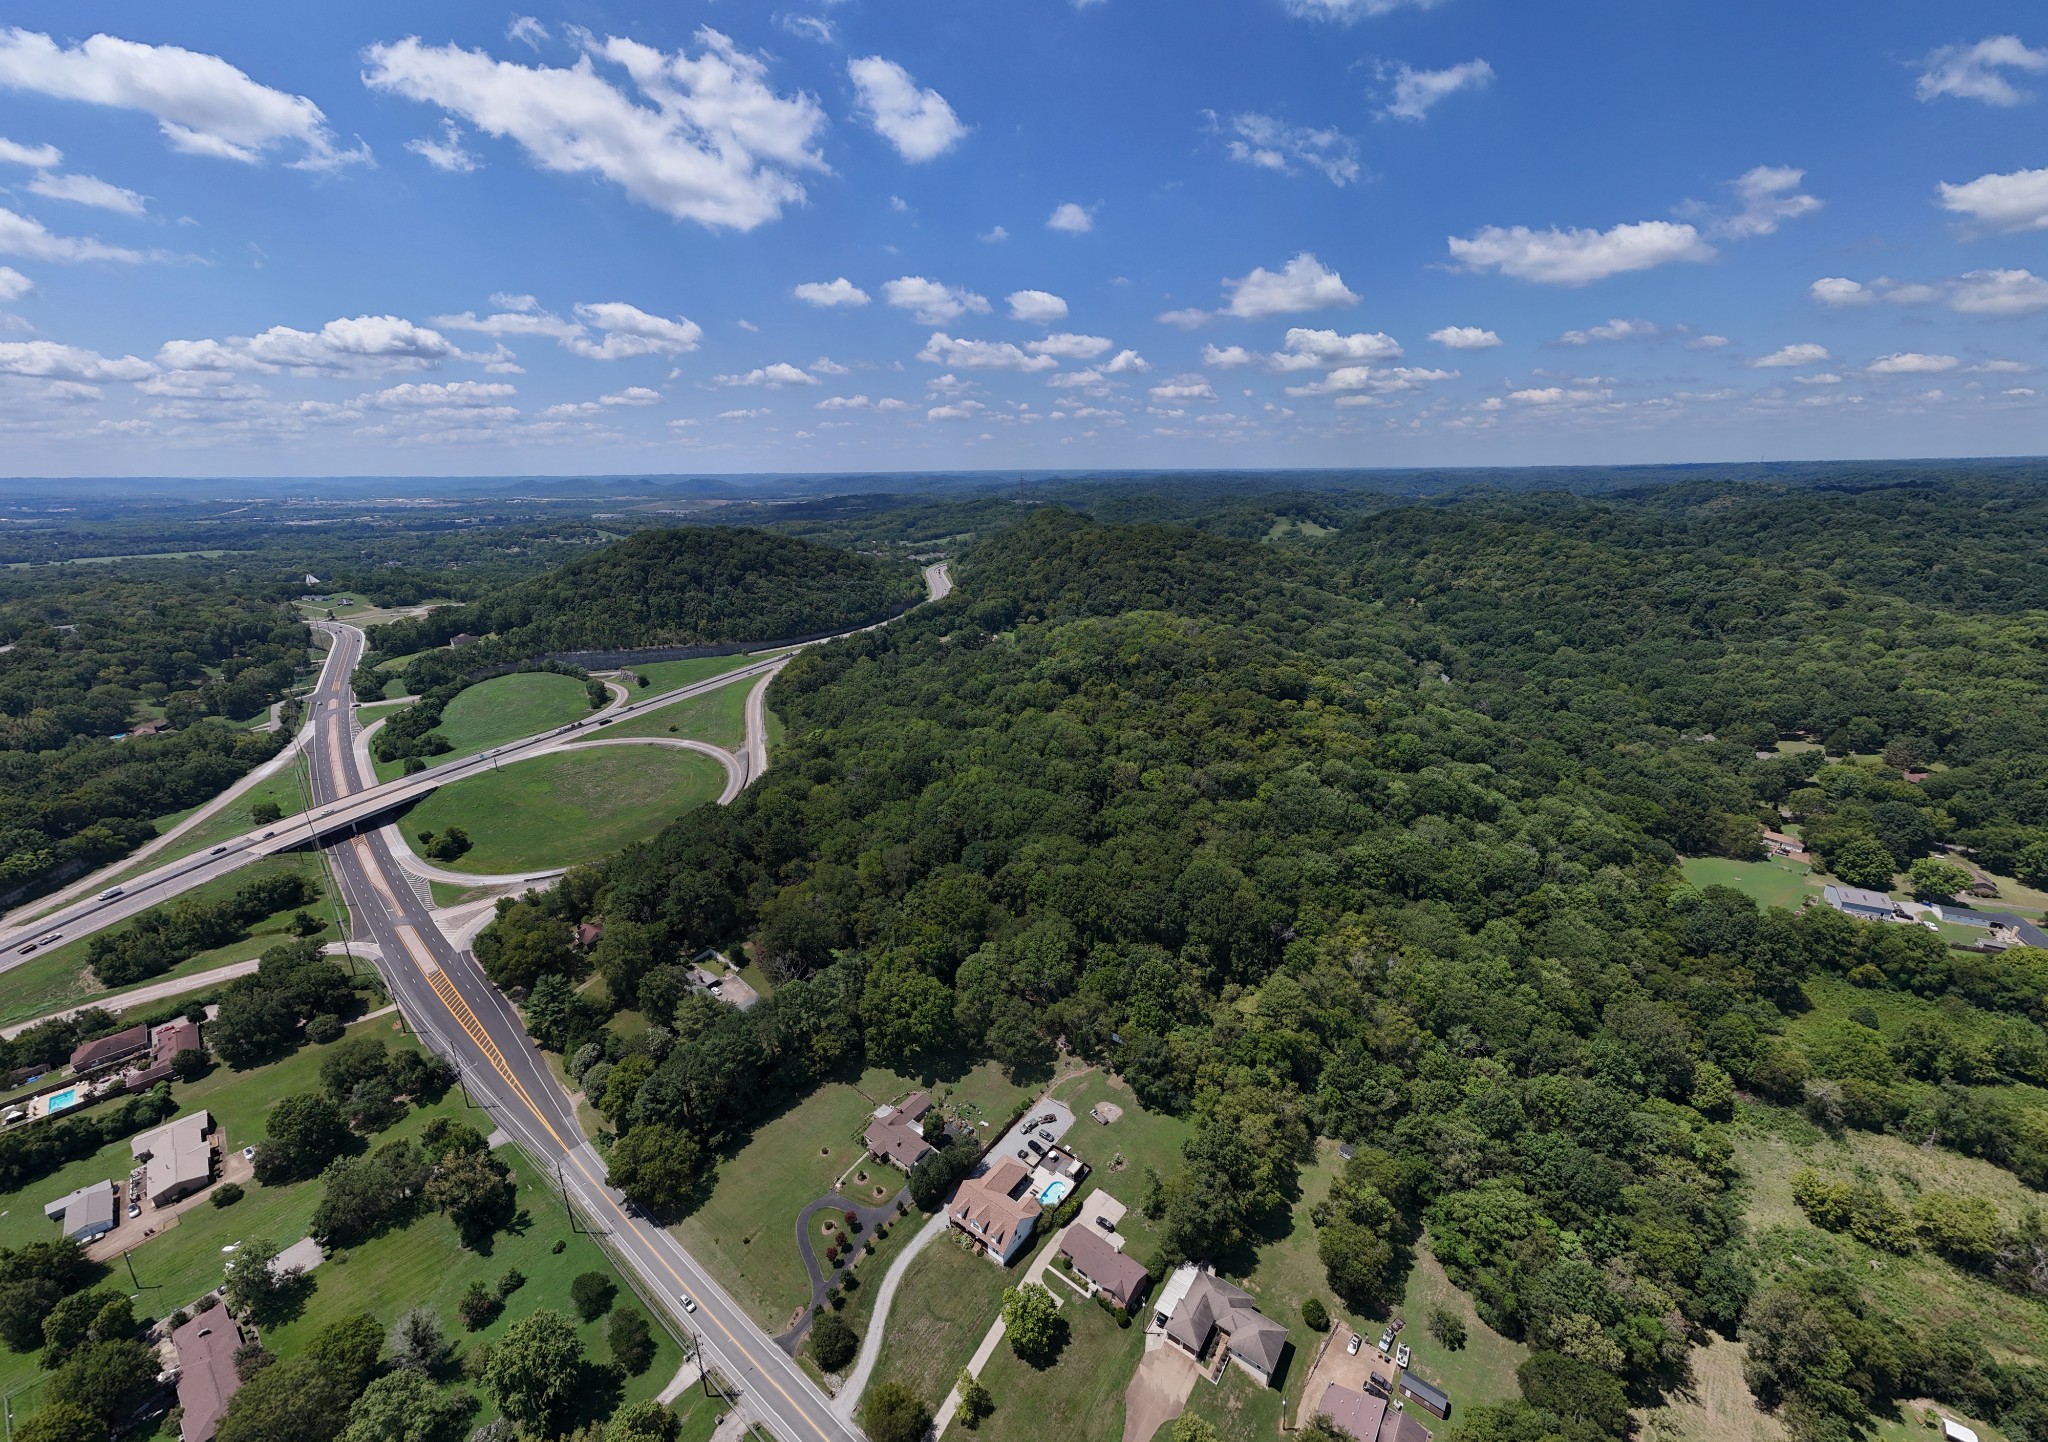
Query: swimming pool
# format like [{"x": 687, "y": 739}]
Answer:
[
  {"x": 59, "y": 1101},
  {"x": 1054, "y": 1191}
]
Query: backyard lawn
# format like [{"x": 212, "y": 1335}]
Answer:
[
  {"x": 58, "y": 978},
  {"x": 1776, "y": 882},
  {"x": 1079, "y": 1396},
  {"x": 568, "y": 807}
]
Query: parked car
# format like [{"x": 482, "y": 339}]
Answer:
[
  {"x": 1351, "y": 1347},
  {"x": 1387, "y": 1342},
  {"x": 1401, "y": 1357}
]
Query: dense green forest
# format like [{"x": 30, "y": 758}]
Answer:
[
  {"x": 670, "y": 586},
  {"x": 1372, "y": 835}
]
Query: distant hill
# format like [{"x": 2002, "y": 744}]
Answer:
[{"x": 680, "y": 586}]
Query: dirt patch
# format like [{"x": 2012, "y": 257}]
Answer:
[
  {"x": 1106, "y": 1112},
  {"x": 1158, "y": 1392},
  {"x": 1333, "y": 1364}
]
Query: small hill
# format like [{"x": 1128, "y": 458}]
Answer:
[{"x": 681, "y": 586}]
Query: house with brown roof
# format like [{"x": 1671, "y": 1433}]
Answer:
[
  {"x": 996, "y": 1210},
  {"x": 1117, "y": 1277},
  {"x": 1197, "y": 1309},
  {"x": 206, "y": 1372},
  {"x": 1780, "y": 843},
  {"x": 108, "y": 1050},
  {"x": 896, "y": 1134},
  {"x": 1367, "y": 1417}
]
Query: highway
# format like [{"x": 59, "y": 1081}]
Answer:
[{"x": 464, "y": 1017}]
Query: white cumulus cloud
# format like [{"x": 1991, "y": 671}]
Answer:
[
  {"x": 630, "y": 332},
  {"x": 1416, "y": 91},
  {"x": 1579, "y": 257},
  {"x": 704, "y": 138},
  {"x": 1308, "y": 349},
  {"x": 1228, "y": 357},
  {"x": 1065, "y": 345},
  {"x": 918, "y": 122},
  {"x": 1770, "y": 196},
  {"x": 1303, "y": 284},
  {"x": 1977, "y": 72},
  {"x": 986, "y": 355},
  {"x": 359, "y": 345},
  {"x": 13, "y": 284},
  {"x": 1612, "y": 330},
  {"x": 1038, "y": 307},
  {"x": 1348, "y": 11},
  {"x": 931, "y": 302},
  {"x": 201, "y": 104},
  {"x": 1073, "y": 218},
  {"x": 1191, "y": 387},
  {"x": 828, "y": 293},
  {"x": 1465, "y": 337},
  {"x": 1793, "y": 355},
  {"x": 448, "y": 153},
  {"x": 88, "y": 190},
  {"x": 1835, "y": 290},
  {"x": 47, "y": 360},
  {"x": 1908, "y": 363},
  {"x": 42, "y": 157},
  {"x": 1272, "y": 144},
  {"x": 775, "y": 377},
  {"x": 1998, "y": 293},
  {"x": 23, "y": 235},
  {"x": 2001, "y": 204}
]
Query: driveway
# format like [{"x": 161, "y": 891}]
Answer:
[{"x": 1159, "y": 1390}]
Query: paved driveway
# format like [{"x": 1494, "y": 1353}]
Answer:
[{"x": 1158, "y": 1391}]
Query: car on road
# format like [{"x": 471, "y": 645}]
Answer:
[
  {"x": 1401, "y": 1357},
  {"x": 110, "y": 893},
  {"x": 604, "y": 720},
  {"x": 216, "y": 851},
  {"x": 689, "y": 1302},
  {"x": 1351, "y": 1347},
  {"x": 51, "y": 940},
  {"x": 24, "y": 951},
  {"x": 266, "y": 836}
]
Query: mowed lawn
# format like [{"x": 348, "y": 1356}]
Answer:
[
  {"x": 502, "y": 709},
  {"x": 569, "y": 807},
  {"x": 1776, "y": 882},
  {"x": 746, "y": 1231},
  {"x": 58, "y": 978},
  {"x": 1079, "y": 1396},
  {"x": 672, "y": 675},
  {"x": 719, "y": 717},
  {"x": 947, "y": 1300}
]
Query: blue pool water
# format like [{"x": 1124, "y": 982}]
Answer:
[
  {"x": 61, "y": 1100},
  {"x": 1054, "y": 1191}
]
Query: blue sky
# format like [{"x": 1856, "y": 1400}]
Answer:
[{"x": 910, "y": 234}]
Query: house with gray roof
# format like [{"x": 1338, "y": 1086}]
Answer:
[
  {"x": 1214, "y": 1322},
  {"x": 85, "y": 1214},
  {"x": 1863, "y": 904}
]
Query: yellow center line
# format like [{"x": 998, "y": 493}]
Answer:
[{"x": 466, "y": 1018}]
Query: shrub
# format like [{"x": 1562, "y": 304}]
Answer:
[
  {"x": 592, "y": 1292},
  {"x": 1314, "y": 1315},
  {"x": 833, "y": 1342},
  {"x": 1448, "y": 1328},
  {"x": 227, "y": 1194},
  {"x": 477, "y": 1307}
]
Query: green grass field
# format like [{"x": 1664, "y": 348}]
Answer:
[
  {"x": 719, "y": 717},
  {"x": 1079, "y": 1396},
  {"x": 285, "y": 790},
  {"x": 746, "y": 1230},
  {"x": 1120, "y": 1152},
  {"x": 505, "y": 708},
  {"x": 569, "y": 807},
  {"x": 1776, "y": 882},
  {"x": 943, "y": 1308},
  {"x": 669, "y": 675},
  {"x": 58, "y": 978}
]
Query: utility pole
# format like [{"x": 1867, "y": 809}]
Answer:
[
  {"x": 567, "y": 1205},
  {"x": 129, "y": 1258}
]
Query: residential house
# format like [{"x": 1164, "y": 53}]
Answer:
[
  {"x": 86, "y": 1213},
  {"x": 1197, "y": 1308},
  {"x": 1779, "y": 843},
  {"x": 996, "y": 1210},
  {"x": 1864, "y": 905},
  {"x": 177, "y": 1158},
  {"x": 1117, "y": 1277},
  {"x": 589, "y": 934},
  {"x": 109, "y": 1050},
  {"x": 896, "y": 1134},
  {"x": 1368, "y": 1418},
  {"x": 164, "y": 1043},
  {"x": 206, "y": 1372},
  {"x": 461, "y": 639}
]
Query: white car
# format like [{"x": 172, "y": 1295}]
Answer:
[
  {"x": 689, "y": 1302},
  {"x": 110, "y": 893},
  {"x": 1351, "y": 1347}
]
